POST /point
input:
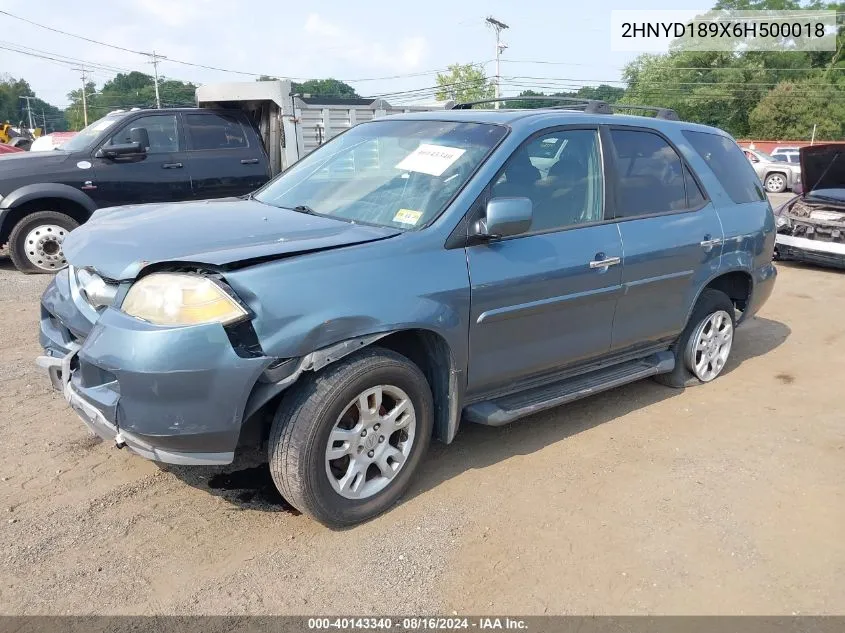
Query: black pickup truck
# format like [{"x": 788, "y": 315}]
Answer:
[{"x": 133, "y": 157}]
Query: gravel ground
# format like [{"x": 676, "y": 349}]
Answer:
[{"x": 723, "y": 499}]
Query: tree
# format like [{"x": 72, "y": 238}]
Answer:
[
  {"x": 724, "y": 88},
  {"x": 128, "y": 90},
  {"x": 13, "y": 108},
  {"x": 464, "y": 82},
  {"x": 325, "y": 88},
  {"x": 790, "y": 111}
]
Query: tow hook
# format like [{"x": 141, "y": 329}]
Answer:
[{"x": 119, "y": 442}]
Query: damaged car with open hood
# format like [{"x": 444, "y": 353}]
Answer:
[
  {"x": 811, "y": 226},
  {"x": 412, "y": 272}
]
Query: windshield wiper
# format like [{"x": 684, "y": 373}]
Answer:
[{"x": 301, "y": 208}]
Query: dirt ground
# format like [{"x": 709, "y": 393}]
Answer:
[{"x": 722, "y": 499}]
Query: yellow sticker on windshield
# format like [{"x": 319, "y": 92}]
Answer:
[{"x": 407, "y": 216}]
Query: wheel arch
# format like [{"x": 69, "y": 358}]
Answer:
[
  {"x": 49, "y": 197},
  {"x": 736, "y": 283},
  {"x": 427, "y": 349}
]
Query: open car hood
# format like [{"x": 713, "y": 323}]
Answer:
[
  {"x": 822, "y": 167},
  {"x": 118, "y": 242}
]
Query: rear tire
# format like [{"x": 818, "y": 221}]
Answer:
[
  {"x": 338, "y": 410},
  {"x": 710, "y": 303},
  {"x": 35, "y": 244}
]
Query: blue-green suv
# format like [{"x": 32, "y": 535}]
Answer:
[{"x": 411, "y": 273}]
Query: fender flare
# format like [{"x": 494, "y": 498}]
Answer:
[
  {"x": 28, "y": 193},
  {"x": 276, "y": 379},
  {"x": 716, "y": 275}
]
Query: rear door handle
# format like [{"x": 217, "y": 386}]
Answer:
[
  {"x": 172, "y": 166},
  {"x": 707, "y": 243},
  {"x": 249, "y": 161},
  {"x": 604, "y": 262}
]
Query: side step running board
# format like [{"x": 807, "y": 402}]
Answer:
[{"x": 506, "y": 409}]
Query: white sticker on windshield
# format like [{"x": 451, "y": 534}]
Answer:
[
  {"x": 430, "y": 159},
  {"x": 99, "y": 126},
  {"x": 407, "y": 216}
]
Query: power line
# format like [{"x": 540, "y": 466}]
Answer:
[
  {"x": 65, "y": 62},
  {"x": 205, "y": 66}
]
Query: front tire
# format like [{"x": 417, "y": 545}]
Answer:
[
  {"x": 345, "y": 443},
  {"x": 703, "y": 348},
  {"x": 35, "y": 244}
]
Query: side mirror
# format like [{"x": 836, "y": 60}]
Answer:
[
  {"x": 505, "y": 217},
  {"x": 122, "y": 149}
]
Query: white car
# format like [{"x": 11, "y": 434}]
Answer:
[{"x": 789, "y": 154}]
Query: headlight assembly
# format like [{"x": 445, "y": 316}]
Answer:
[{"x": 181, "y": 299}]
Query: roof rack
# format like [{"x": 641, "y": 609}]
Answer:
[
  {"x": 590, "y": 106},
  {"x": 667, "y": 114}
]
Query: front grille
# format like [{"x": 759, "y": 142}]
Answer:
[{"x": 820, "y": 233}]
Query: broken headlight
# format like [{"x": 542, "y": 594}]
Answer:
[{"x": 181, "y": 299}]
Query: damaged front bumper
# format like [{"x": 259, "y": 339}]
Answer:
[
  {"x": 175, "y": 395},
  {"x": 811, "y": 251},
  {"x": 60, "y": 376}
]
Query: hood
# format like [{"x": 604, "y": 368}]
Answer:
[
  {"x": 119, "y": 241},
  {"x": 822, "y": 167},
  {"x": 15, "y": 164}
]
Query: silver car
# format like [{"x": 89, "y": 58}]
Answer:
[{"x": 777, "y": 176}]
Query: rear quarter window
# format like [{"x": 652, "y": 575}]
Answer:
[{"x": 728, "y": 163}]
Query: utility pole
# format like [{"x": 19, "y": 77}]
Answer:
[
  {"x": 84, "y": 98},
  {"x": 43, "y": 118},
  {"x": 155, "y": 64},
  {"x": 29, "y": 110},
  {"x": 498, "y": 27}
]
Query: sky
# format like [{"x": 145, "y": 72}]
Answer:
[{"x": 380, "y": 51}]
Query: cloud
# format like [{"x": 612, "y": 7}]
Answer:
[
  {"x": 173, "y": 13},
  {"x": 334, "y": 41}
]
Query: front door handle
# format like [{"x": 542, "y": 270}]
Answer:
[
  {"x": 603, "y": 262},
  {"x": 249, "y": 161},
  {"x": 172, "y": 166}
]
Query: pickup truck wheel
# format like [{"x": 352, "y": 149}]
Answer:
[
  {"x": 35, "y": 244},
  {"x": 704, "y": 346},
  {"x": 345, "y": 443},
  {"x": 775, "y": 183}
]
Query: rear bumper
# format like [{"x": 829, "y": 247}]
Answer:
[
  {"x": 764, "y": 283},
  {"x": 811, "y": 251}
]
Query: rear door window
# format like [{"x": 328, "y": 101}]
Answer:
[
  {"x": 214, "y": 131},
  {"x": 650, "y": 174},
  {"x": 728, "y": 164}
]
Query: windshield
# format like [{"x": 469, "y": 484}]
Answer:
[
  {"x": 766, "y": 156},
  {"x": 89, "y": 134},
  {"x": 389, "y": 173}
]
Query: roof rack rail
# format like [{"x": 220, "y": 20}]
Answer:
[
  {"x": 590, "y": 106},
  {"x": 667, "y": 114}
]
